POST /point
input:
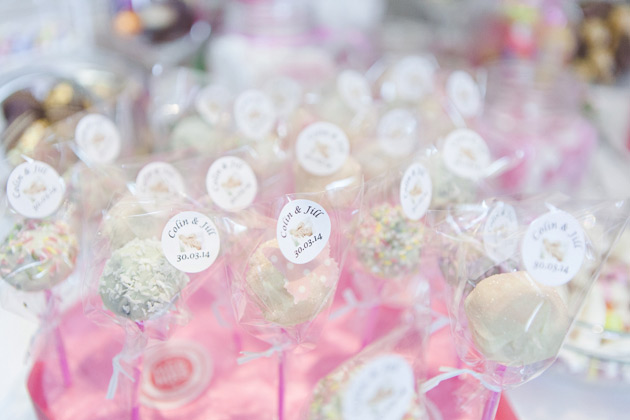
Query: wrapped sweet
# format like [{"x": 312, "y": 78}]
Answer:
[
  {"x": 382, "y": 380},
  {"x": 349, "y": 175},
  {"x": 349, "y": 104},
  {"x": 290, "y": 294},
  {"x": 388, "y": 243},
  {"x": 193, "y": 132},
  {"x": 138, "y": 282},
  {"x": 330, "y": 403},
  {"x": 514, "y": 320},
  {"x": 518, "y": 276},
  {"x": 38, "y": 254},
  {"x": 127, "y": 219},
  {"x": 323, "y": 162},
  {"x": 30, "y": 119},
  {"x": 448, "y": 187},
  {"x": 407, "y": 80}
]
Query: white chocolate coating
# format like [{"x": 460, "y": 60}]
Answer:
[
  {"x": 193, "y": 132},
  {"x": 290, "y": 302},
  {"x": 138, "y": 282},
  {"x": 127, "y": 220},
  {"x": 516, "y": 321},
  {"x": 347, "y": 177}
]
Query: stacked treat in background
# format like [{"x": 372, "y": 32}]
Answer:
[{"x": 293, "y": 247}]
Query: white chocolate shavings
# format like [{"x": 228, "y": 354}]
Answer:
[{"x": 138, "y": 282}]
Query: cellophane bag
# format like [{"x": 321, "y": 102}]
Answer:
[
  {"x": 518, "y": 273},
  {"x": 40, "y": 235},
  {"x": 386, "y": 255},
  {"x": 285, "y": 265},
  {"x": 152, "y": 248},
  {"x": 190, "y": 112},
  {"x": 382, "y": 381}
]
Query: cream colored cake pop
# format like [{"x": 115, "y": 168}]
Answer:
[
  {"x": 289, "y": 294},
  {"x": 348, "y": 176},
  {"x": 127, "y": 219},
  {"x": 516, "y": 321}
]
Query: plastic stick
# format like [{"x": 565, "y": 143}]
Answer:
[
  {"x": 490, "y": 408},
  {"x": 135, "y": 399},
  {"x": 281, "y": 361},
  {"x": 62, "y": 356}
]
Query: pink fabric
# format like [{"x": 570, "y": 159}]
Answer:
[{"x": 236, "y": 392}]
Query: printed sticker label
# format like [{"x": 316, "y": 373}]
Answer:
[
  {"x": 303, "y": 230},
  {"x": 175, "y": 373},
  {"x": 354, "y": 89},
  {"x": 413, "y": 77},
  {"x": 499, "y": 232},
  {"x": 98, "y": 138},
  {"x": 382, "y": 390},
  {"x": 466, "y": 154},
  {"x": 212, "y": 103},
  {"x": 254, "y": 114},
  {"x": 322, "y": 148},
  {"x": 285, "y": 94},
  {"x": 397, "y": 132},
  {"x": 159, "y": 180},
  {"x": 464, "y": 92},
  {"x": 554, "y": 248},
  {"x": 231, "y": 183},
  {"x": 35, "y": 189},
  {"x": 190, "y": 241},
  {"x": 415, "y": 191}
]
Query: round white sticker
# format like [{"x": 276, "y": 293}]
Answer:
[
  {"x": 464, "y": 92},
  {"x": 212, "y": 103},
  {"x": 303, "y": 230},
  {"x": 499, "y": 232},
  {"x": 354, "y": 89},
  {"x": 190, "y": 241},
  {"x": 231, "y": 183},
  {"x": 553, "y": 248},
  {"x": 285, "y": 93},
  {"x": 413, "y": 77},
  {"x": 159, "y": 180},
  {"x": 254, "y": 114},
  {"x": 322, "y": 148},
  {"x": 415, "y": 191},
  {"x": 175, "y": 373},
  {"x": 466, "y": 154},
  {"x": 397, "y": 132},
  {"x": 98, "y": 138},
  {"x": 382, "y": 390},
  {"x": 35, "y": 189}
]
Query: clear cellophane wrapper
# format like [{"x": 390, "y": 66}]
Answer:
[
  {"x": 129, "y": 280},
  {"x": 138, "y": 213},
  {"x": 178, "y": 120},
  {"x": 386, "y": 254},
  {"x": 511, "y": 328},
  {"x": 383, "y": 379},
  {"x": 39, "y": 253},
  {"x": 280, "y": 302}
]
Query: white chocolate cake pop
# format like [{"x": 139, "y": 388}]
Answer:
[
  {"x": 289, "y": 294},
  {"x": 127, "y": 220},
  {"x": 516, "y": 321},
  {"x": 193, "y": 132},
  {"x": 348, "y": 176},
  {"x": 138, "y": 282},
  {"x": 449, "y": 188},
  {"x": 38, "y": 254}
]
